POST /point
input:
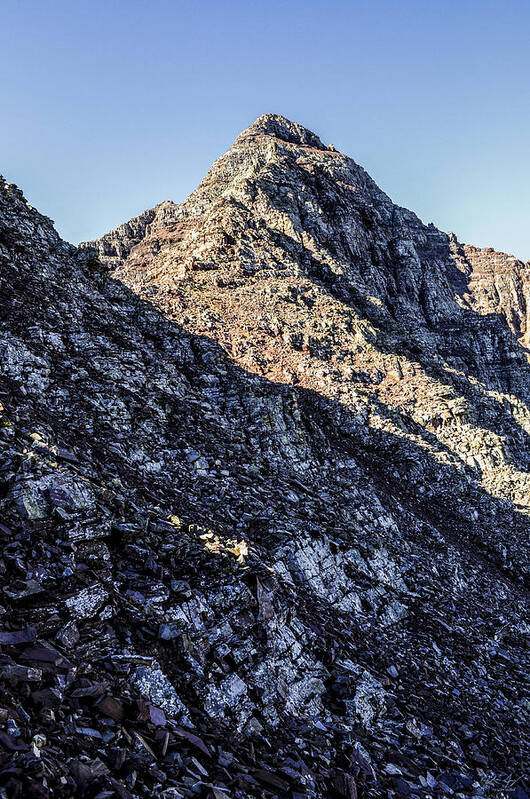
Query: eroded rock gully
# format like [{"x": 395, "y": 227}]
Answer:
[{"x": 264, "y": 480}]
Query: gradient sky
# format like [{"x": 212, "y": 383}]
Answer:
[{"x": 111, "y": 107}]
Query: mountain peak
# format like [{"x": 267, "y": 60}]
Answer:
[
  {"x": 282, "y": 128},
  {"x": 266, "y": 480}
]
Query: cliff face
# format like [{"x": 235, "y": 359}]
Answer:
[
  {"x": 265, "y": 494},
  {"x": 498, "y": 284},
  {"x": 116, "y": 246}
]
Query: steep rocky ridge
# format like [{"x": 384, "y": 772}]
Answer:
[
  {"x": 287, "y": 507},
  {"x": 305, "y": 272}
]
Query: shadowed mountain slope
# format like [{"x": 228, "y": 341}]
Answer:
[{"x": 265, "y": 506}]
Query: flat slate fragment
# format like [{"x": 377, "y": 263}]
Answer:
[
  {"x": 16, "y": 637},
  {"x": 87, "y": 602}
]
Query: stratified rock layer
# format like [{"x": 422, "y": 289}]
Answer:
[{"x": 266, "y": 505}]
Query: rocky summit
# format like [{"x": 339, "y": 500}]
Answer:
[{"x": 264, "y": 478}]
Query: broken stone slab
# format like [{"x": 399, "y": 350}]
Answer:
[
  {"x": 272, "y": 780},
  {"x": 193, "y": 739},
  {"x": 22, "y": 589},
  {"x": 368, "y": 702},
  {"x": 24, "y": 673},
  {"x": 47, "y": 697},
  {"x": 15, "y": 637},
  {"x": 149, "y": 712},
  {"x": 88, "y": 532},
  {"x": 37, "y": 498},
  {"x": 68, "y": 635},
  {"x": 111, "y": 707},
  {"x": 86, "y": 602},
  {"x": 394, "y": 612},
  {"x": 227, "y": 695},
  {"x": 45, "y": 654},
  {"x": 169, "y": 632},
  {"x": 86, "y": 771},
  {"x": 153, "y": 684},
  {"x": 30, "y": 501},
  {"x": 11, "y": 743},
  {"x": 133, "y": 659},
  {"x": 69, "y": 493}
]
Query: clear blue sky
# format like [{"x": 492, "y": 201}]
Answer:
[{"x": 111, "y": 107}]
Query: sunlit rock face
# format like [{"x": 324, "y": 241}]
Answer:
[{"x": 264, "y": 474}]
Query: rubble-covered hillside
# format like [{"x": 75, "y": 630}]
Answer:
[{"x": 264, "y": 479}]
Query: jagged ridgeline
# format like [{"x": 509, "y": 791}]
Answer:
[{"x": 265, "y": 495}]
